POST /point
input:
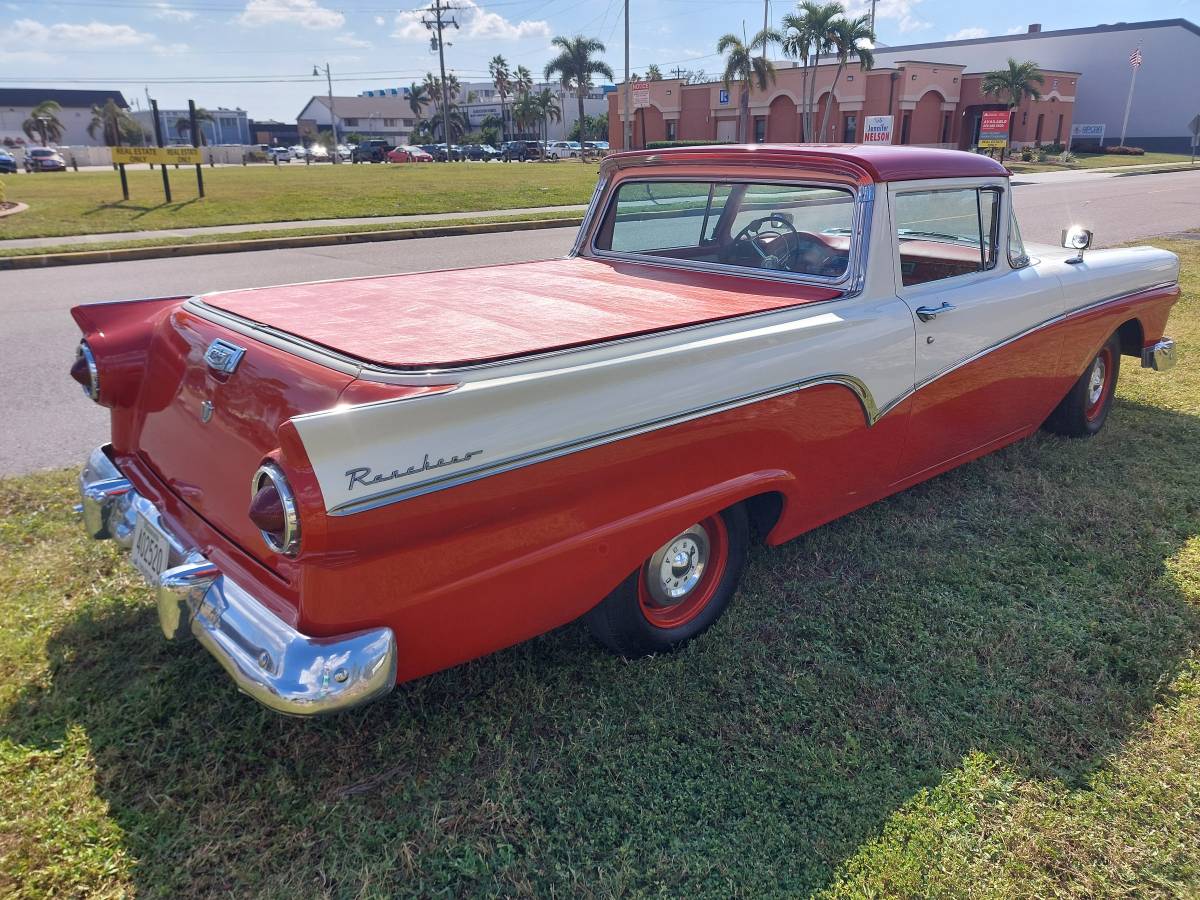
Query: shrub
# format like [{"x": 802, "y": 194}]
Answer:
[
  {"x": 1054, "y": 149},
  {"x": 1066, "y": 157},
  {"x": 1124, "y": 151},
  {"x": 663, "y": 145},
  {"x": 1040, "y": 155},
  {"x": 1, "y": 191},
  {"x": 1026, "y": 155}
]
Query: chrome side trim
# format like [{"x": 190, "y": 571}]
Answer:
[
  {"x": 267, "y": 658},
  {"x": 855, "y": 385},
  {"x": 1160, "y": 357}
]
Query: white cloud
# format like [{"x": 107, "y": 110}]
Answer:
[
  {"x": 164, "y": 10},
  {"x": 966, "y": 34},
  {"x": 31, "y": 35},
  {"x": 380, "y": 21},
  {"x": 305, "y": 13},
  {"x": 474, "y": 22},
  {"x": 902, "y": 11},
  {"x": 1016, "y": 29},
  {"x": 169, "y": 49},
  {"x": 349, "y": 40}
]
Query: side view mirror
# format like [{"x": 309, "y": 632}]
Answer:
[{"x": 1076, "y": 238}]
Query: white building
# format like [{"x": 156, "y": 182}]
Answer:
[
  {"x": 227, "y": 126},
  {"x": 1166, "y": 95},
  {"x": 16, "y": 104},
  {"x": 387, "y": 117}
]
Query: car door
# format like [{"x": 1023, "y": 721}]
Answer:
[{"x": 976, "y": 382}]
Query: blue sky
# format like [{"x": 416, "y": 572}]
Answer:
[{"x": 259, "y": 54}]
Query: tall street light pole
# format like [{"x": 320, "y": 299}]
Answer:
[
  {"x": 628, "y": 138},
  {"x": 332, "y": 115}
]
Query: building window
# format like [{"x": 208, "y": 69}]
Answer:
[
  {"x": 671, "y": 127},
  {"x": 407, "y": 123},
  {"x": 904, "y": 123},
  {"x": 228, "y": 123},
  {"x": 760, "y": 129},
  {"x": 1037, "y": 132},
  {"x": 945, "y": 128},
  {"x": 389, "y": 123},
  {"x": 1058, "y": 131},
  {"x": 351, "y": 122},
  {"x": 849, "y": 128}
]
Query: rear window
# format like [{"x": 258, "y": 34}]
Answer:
[{"x": 795, "y": 228}]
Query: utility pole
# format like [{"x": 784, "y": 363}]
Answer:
[
  {"x": 678, "y": 72},
  {"x": 436, "y": 24},
  {"x": 766, "y": 17},
  {"x": 873, "y": 4},
  {"x": 332, "y": 115},
  {"x": 627, "y": 137}
]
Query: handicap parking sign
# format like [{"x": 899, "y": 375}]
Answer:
[{"x": 724, "y": 95}]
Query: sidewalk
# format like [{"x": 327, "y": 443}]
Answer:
[
  {"x": 1083, "y": 174},
  {"x": 64, "y": 240}
]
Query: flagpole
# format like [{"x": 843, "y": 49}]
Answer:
[{"x": 1129, "y": 99}]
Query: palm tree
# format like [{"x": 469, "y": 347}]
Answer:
[
  {"x": 811, "y": 31},
  {"x": 112, "y": 121},
  {"x": 522, "y": 81},
  {"x": 43, "y": 122},
  {"x": 575, "y": 67},
  {"x": 548, "y": 111},
  {"x": 418, "y": 99},
  {"x": 847, "y": 37},
  {"x": 502, "y": 79},
  {"x": 743, "y": 66},
  {"x": 1014, "y": 84},
  {"x": 653, "y": 73},
  {"x": 525, "y": 112},
  {"x": 183, "y": 125}
]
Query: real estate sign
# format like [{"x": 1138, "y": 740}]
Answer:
[
  {"x": 641, "y": 94},
  {"x": 167, "y": 156},
  {"x": 1088, "y": 132},
  {"x": 993, "y": 128},
  {"x": 877, "y": 130}
]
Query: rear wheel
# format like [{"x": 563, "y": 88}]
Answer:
[
  {"x": 1084, "y": 410},
  {"x": 679, "y": 591}
]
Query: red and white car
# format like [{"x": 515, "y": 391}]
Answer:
[
  {"x": 341, "y": 485},
  {"x": 408, "y": 154}
]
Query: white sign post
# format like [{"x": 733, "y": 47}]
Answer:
[
  {"x": 641, "y": 94},
  {"x": 877, "y": 130},
  {"x": 1194, "y": 127}
]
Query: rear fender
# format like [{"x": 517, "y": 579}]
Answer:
[{"x": 118, "y": 333}]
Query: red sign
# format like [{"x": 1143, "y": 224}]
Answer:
[
  {"x": 993, "y": 128},
  {"x": 641, "y": 94}
]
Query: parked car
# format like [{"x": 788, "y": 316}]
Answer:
[
  {"x": 520, "y": 151},
  {"x": 283, "y": 154},
  {"x": 564, "y": 150},
  {"x": 372, "y": 151},
  {"x": 480, "y": 152},
  {"x": 408, "y": 154},
  {"x": 440, "y": 154},
  {"x": 318, "y": 153},
  {"x": 344, "y": 152},
  {"x": 44, "y": 159},
  {"x": 598, "y": 147},
  {"x": 467, "y": 466},
  {"x": 8, "y": 165}
]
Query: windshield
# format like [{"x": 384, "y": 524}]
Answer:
[{"x": 789, "y": 227}]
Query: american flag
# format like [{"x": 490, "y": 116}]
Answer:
[{"x": 1135, "y": 58}]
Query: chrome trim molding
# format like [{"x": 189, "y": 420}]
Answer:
[
  {"x": 1159, "y": 357},
  {"x": 285, "y": 670},
  {"x": 289, "y": 545},
  {"x": 860, "y": 390}
]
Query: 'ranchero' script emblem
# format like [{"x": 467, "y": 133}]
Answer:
[{"x": 362, "y": 475}]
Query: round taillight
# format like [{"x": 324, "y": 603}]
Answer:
[
  {"x": 273, "y": 510},
  {"x": 84, "y": 371}
]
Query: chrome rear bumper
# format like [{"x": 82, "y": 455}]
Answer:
[
  {"x": 1160, "y": 356},
  {"x": 267, "y": 658}
]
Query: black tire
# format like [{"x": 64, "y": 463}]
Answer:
[
  {"x": 1083, "y": 412},
  {"x": 621, "y": 621}
]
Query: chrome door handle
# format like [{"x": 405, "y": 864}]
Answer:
[{"x": 929, "y": 313}]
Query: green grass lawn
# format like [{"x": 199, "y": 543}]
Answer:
[
  {"x": 1098, "y": 161},
  {"x": 985, "y": 686},
  {"x": 90, "y": 202}
]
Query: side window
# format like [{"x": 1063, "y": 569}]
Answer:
[
  {"x": 1017, "y": 257},
  {"x": 661, "y": 215},
  {"x": 944, "y": 234}
]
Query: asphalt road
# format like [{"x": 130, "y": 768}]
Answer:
[{"x": 49, "y": 424}]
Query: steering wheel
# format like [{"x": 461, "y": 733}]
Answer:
[{"x": 778, "y": 253}]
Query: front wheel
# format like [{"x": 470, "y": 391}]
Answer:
[
  {"x": 679, "y": 591},
  {"x": 1084, "y": 410}
]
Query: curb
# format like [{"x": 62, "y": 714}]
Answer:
[
  {"x": 87, "y": 257},
  {"x": 13, "y": 210}
]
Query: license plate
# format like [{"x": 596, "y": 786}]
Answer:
[{"x": 151, "y": 549}]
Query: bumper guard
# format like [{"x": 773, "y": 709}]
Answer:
[
  {"x": 267, "y": 658},
  {"x": 1160, "y": 356}
]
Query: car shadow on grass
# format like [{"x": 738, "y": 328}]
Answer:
[{"x": 1022, "y": 606}]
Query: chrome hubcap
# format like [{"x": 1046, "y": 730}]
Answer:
[
  {"x": 1096, "y": 381},
  {"x": 677, "y": 567}
]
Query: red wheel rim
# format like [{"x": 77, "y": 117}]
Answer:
[
  {"x": 673, "y": 590},
  {"x": 1100, "y": 382}
]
